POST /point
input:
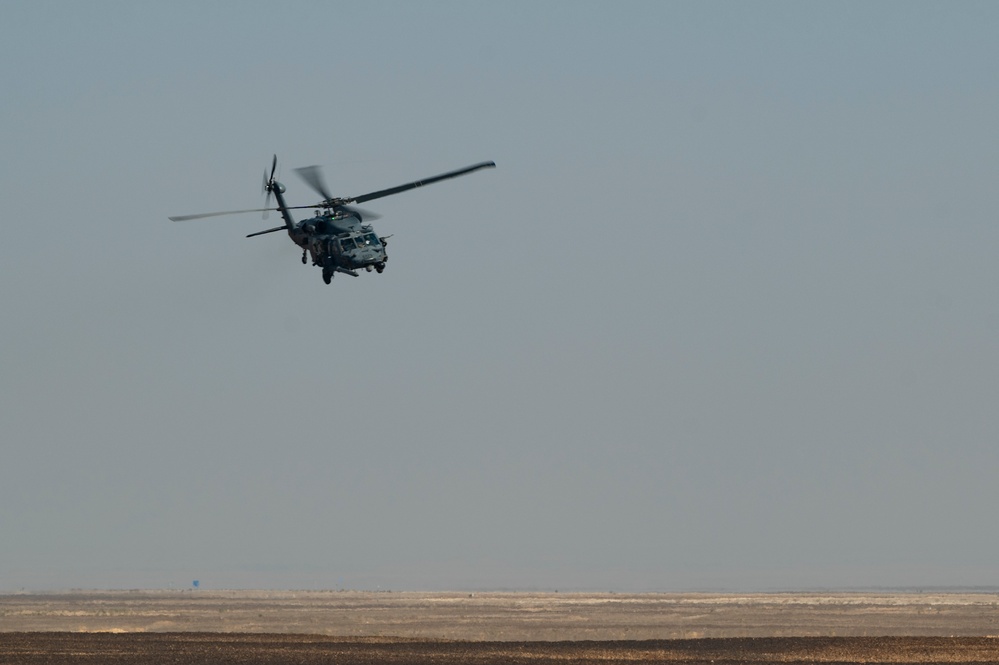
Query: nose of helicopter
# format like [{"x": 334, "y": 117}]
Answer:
[{"x": 372, "y": 255}]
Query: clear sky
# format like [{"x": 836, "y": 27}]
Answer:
[{"x": 724, "y": 316}]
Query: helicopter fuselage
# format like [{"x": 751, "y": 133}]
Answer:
[{"x": 342, "y": 243}]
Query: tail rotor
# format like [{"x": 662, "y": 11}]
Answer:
[{"x": 268, "y": 186}]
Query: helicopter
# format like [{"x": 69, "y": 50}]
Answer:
[{"x": 338, "y": 237}]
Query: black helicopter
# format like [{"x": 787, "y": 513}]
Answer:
[{"x": 339, "y": 237}]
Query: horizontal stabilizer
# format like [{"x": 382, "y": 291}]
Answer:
[{"x": 276, "y": 228}]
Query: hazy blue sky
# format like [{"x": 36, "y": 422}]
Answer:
[{"x": 724, "y": 316}]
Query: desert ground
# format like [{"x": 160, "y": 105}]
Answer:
[{"x": 389, "y": 627}]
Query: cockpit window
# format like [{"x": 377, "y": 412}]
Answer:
[
  {"x": 347, "y": 244},
  {"x": 372, "y": 239}
]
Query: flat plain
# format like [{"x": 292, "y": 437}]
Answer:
[{"x": 392, "y": 627}]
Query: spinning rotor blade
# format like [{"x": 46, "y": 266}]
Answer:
[
  {"x": 361, "y": 213},
  {"x": 266, "y": 189},
  {"x": 267, "y": 198},
  {"x": 419, "y": 183},
  {"x": 313, "y": 177},
  {"x": 185, "y": 218}
]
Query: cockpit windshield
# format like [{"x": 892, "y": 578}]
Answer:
[{"x": 360, "y": 241}]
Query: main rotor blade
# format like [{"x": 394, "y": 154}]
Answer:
[
  {"x": 313, "y": 177},
  {"x": 419, "y": 183},
  {"x": 186, "y": 218}
]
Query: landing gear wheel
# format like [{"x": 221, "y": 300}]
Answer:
[
  {"x": 380, "y": 267},
  {"x": 327, "y": 275}
]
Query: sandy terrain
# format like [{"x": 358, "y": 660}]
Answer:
[
  {"x": 362, "y": 627},
  {"x": 506, "y": 616}
]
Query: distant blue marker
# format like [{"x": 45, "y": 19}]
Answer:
[{"x": 195, "y": 584}]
